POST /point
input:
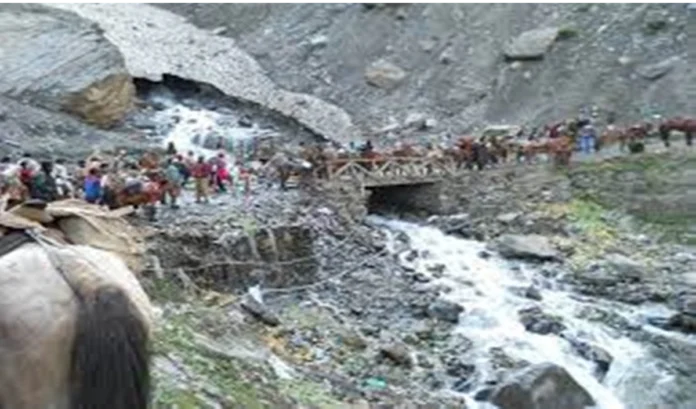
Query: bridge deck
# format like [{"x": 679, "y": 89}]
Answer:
[{"x": 388, "y": 172}]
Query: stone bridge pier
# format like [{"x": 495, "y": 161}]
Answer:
[{"x": 400, "y": 198}]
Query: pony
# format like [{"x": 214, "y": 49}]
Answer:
[
  {"x": 76, "y": 327},
  {"x": 284, "y": 166},
  {"x": 149, "y": 161},
  {"x": 625, "y": 137},
  {"x": 561, "y": 150},
  {"x": 686, "y": 125}
]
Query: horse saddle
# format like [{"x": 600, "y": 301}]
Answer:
[{"x": 133, "y": 188}]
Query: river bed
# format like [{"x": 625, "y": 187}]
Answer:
[{"x": 482, "y": 285}]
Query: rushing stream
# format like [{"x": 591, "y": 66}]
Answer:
[{"x": 482, "y": 286}]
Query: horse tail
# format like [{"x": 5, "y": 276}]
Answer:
[{"x": 110, "y": 355}]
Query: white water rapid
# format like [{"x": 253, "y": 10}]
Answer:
[
  {"x": 195, "y": 128},
  {"x": 482, "y": 287}
]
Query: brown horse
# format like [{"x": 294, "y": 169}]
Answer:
[
  {"x": 561, "y": 150},
  {"x": 76, "y": 326},
  {"x": 149, "y": 160},
  {"x": 624, "y": 136},
  {"x": 686, "y": 125}
]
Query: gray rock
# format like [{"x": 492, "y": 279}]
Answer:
[
  {"x": 319, "y": 41},
  {"x": 538, "y": 322},
  {"x": 532, "y": 44},
  {"x": 398, "y": 354},
  {"x": 507, "y": 218},
  {"x": 532, "y": 246},
  {"x": 415, "y": 120},
  {"x": 532, "y": 293},
  {"x": 658, "y": 70},
  {"x": 683, "y": 322},
  {"x": 686, "y": 304},
  {"x": 56, "y": 60},
  {"x": 430, "y": 123},
  {"x": 656, "y": 20},
  {"x": 385, "y": 75},
  {"x": 447, "y": 56},
  {"x": 594, "y": 353},
  {"x": 259, "y": 311},
  {"x": 626, "y": 267},
  {"x": 444, "y": 310},
  {"x": 541, "y": 386}
]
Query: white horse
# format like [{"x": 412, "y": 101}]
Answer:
[{"x": 75, "y": 325}]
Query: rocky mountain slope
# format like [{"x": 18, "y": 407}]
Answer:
[
  {"x": 461, "y": 64},
  {"x": 56, "y": 60}
]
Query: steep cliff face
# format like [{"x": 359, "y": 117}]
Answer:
[
  {"x": 61, "y": 62},
  {"x": 465, "y": 65},
  {"x": 155, "y": 43}
]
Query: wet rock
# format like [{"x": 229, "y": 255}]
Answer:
[
  {"x": 385, "y": 75},
  {"x": 259, "y": 311},
  {"x": 437, "y": 270},
  {"x": 483, "y": 395},
  {"x": 682, "y": 322},
  {"x": 423, "y": 331},
  {"x": 459, "y": 224},
  {"x": 245, "y": 122},
  {"x": 398, "y": 354},
  {"x": 532, "y": 293},
  {"x": 500, "y": 360},
  {"x": 461, "y": 370},
  {"x": 531, "y": 45},
  {"x": 541, "y": 386},
  {"x": 658, "y": 70},
  {"x": 444, "y": 310},
  {"x": 531, "y": 247},
  {"x": 686, "y": 304},
  {"x": 61, "y": 62},
  {"x": 536, "y": 321},
  {"x": 594, "y": 353},
  {"x": 424, "y": 362}
]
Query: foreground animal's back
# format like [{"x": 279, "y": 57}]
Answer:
[{"x": 39, "y": 315}]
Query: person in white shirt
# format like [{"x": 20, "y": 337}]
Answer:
[{"x": 60, "y": 174}]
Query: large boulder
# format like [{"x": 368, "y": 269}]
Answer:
[
  {"x": 383, "y": 74},
  {"x": 59, "y": 61},
  {"x": 541, "y": 386},
  {"x": 532, "y": 246},
  {"x": 531, "y": 45}
]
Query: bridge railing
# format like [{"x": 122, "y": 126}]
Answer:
[{"x": 386, "y": 169}]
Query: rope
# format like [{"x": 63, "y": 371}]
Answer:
[
  {"x": 46, "y": 244},
  {"x": 322, "y": 281}
]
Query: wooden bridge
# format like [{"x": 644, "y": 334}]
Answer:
[{"x": 388, "y": 171}]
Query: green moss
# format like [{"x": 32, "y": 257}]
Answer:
[
  {"x": 596, "y": 235},
  {"x": 566, "y": 33},
  {"x": 234, "y": 382},
  {"x": 310, "y": 394}
]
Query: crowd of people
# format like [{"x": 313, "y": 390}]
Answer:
[{"x": 122, "y": 179}]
